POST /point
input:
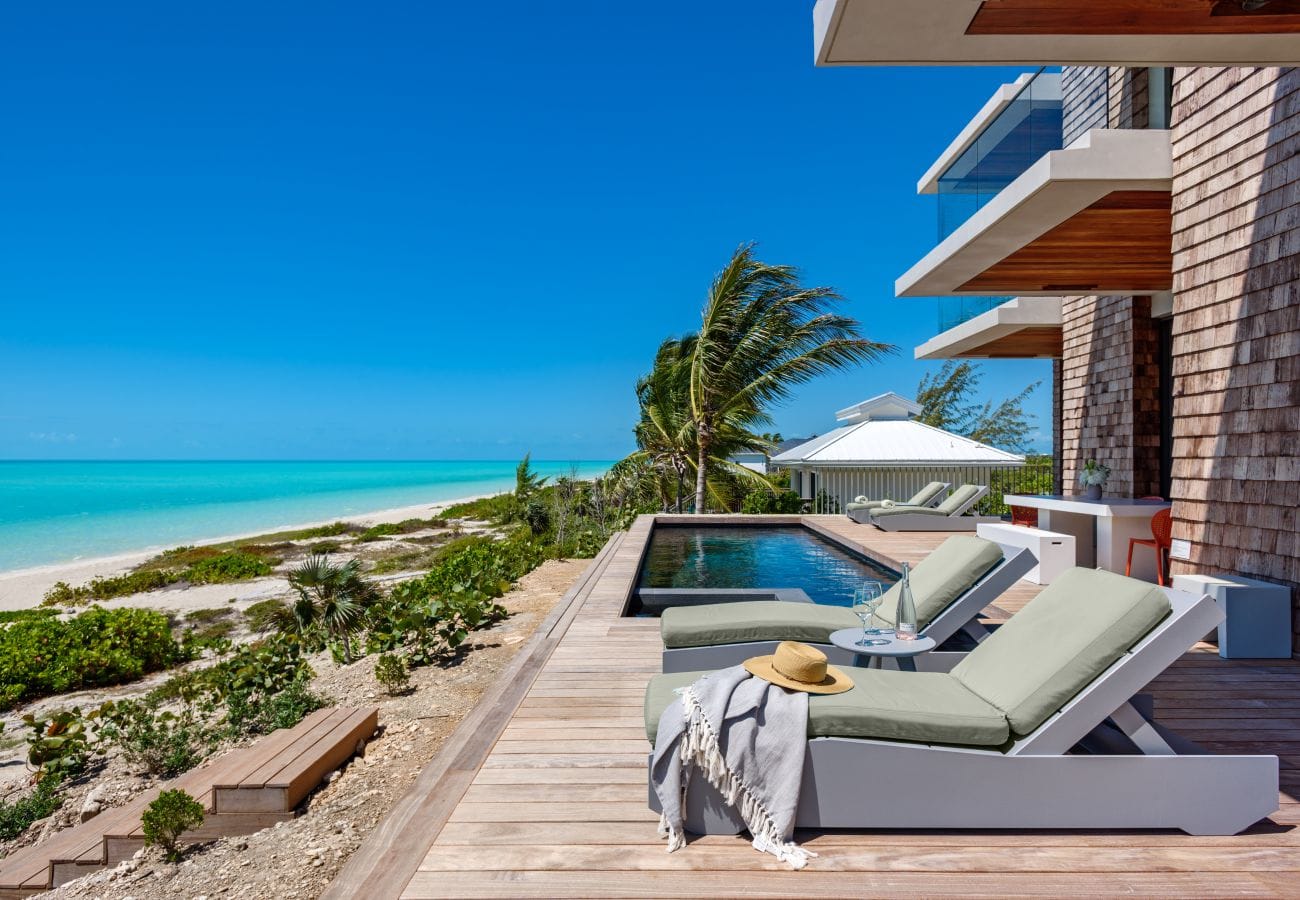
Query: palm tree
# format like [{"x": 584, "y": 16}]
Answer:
[
  {"x": 762, "y": 334},
  {"x": 333, "y": 596},
  {"x": 663, "y": 432}
]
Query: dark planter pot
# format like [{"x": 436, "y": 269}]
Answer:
[{"x": 1092, "y": 492}]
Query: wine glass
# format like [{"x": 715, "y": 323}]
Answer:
[
  {"x": 865, "y": 602},
  {"x": 876, "y": 591}
]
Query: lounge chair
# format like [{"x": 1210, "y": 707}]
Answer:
[
  {"x": 950, "y": 515},
  {"x": 927, "y": 496},
  {"x": 950, "y": 587},
  {"x": 1033, "y": 729}
]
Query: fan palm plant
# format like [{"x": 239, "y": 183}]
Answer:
[
  {"x": 762, "y": 334},
  {"x": 333, "y": 596}
]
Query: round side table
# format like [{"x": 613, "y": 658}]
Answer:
[{"x": 903, "y": 651}]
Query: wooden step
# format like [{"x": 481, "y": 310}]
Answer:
[
  {"x": 284, "y": 779},
  {"x": 284, "y": 765}
]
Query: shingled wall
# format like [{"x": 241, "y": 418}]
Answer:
[{"x": 1236, "y": 344}]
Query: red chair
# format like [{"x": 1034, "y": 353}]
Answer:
[
  {"x": 1162, "y": 527},
  {"x": 1026, "y": 516}
]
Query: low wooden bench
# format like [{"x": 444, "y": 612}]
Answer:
[{"x": 241, "y": 792}]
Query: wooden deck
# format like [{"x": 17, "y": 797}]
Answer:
[{"x": 544, "y": 792}]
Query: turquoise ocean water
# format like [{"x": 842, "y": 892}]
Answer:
[{"x": 53, "y": 512}]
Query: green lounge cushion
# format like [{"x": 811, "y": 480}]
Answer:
[
  {"x": 921, "y": 498},
  {"x": 955, "y": 501},
  {"x": 1059, "y": 643},
  {"x": 752, "y": 620},
  {"x": 925, "y": 707},
  {"x": 959, "y": 498},
  {"x": 949, "y": 571}
]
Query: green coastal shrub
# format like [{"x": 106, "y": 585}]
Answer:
[
  {"x": 209, "y": 627},
  {"x": 406, "y": 526},
  {"x": 18, "y": 816},
  {"x": 63, "y": 594},
  {"x": 196, "y": 565},
  {"x": 167, "y": 818},
  {"x": 268, "y": 615},
  {"x": 392, "y": 673},
  {"x": 263, "y": 686},
  {"x": 22, "y": 615},
  {"x": 763, "y": 502},
  {"x": 99, "y": 647},
  {"x": 232, "y": 565},
  {"x": 498, "y": 508},
  {"x": 162, "y": 742},
  {"x": 58, "y": 744},
  {"x": 429, "y": 617}
]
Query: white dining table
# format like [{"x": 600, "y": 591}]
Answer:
[{"x": 1101, "y": 528}]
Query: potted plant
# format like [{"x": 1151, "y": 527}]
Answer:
[{"x": 1093, "y": 476}]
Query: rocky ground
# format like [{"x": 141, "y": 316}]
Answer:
[
  {"x": 298, "y": 859},
  {"x": 223, "y": 606}
]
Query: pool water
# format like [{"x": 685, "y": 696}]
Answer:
[{"x": 756, "y": 557}]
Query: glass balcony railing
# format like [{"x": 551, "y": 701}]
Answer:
[
  {"x": 1028, "y": 127},
  {"x": 955, "y": 310}
]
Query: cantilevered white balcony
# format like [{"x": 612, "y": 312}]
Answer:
[
  {"x": 1092, "y": 218},
  {"x": 1056, "y": 32},
  {"x": 1022, "y": 328}
]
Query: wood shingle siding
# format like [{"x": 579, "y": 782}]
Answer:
[
  {"x": 1110, "y": 403},
  {"x": 1236, "y": 333}
]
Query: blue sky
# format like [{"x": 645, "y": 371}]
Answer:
[{"x": 431, "y": 230}]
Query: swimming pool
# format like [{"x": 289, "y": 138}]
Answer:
[{"x": 756, "y": 557}]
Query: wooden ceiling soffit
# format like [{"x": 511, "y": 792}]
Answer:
[
  {"x": 1038, "y": 342},
  {"x": 1136, "y": 17},
  {"x": 1120, "y": 244}
]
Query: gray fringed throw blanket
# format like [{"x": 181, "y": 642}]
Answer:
[{"x": 747, "y": 737}]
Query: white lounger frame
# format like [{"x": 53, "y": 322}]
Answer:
[
  {"x": 956, "y": 521},
  {"x": 1158, "y": 781},
  {"x": 863, "y": 516},
  {"x": 960, "y": 615}
]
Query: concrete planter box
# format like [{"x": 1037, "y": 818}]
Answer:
[{"x": 1257, "y": 623}]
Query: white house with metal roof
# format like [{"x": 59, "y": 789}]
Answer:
[{"x": 881, "y": 452}]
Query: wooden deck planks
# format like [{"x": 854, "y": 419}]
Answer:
[{"x": 555, "y": 804}]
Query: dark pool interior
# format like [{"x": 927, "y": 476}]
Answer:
[{"x": 756, "y": 556}]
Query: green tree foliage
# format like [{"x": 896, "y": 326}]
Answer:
[
  {"x": 167, "y": 818},
  {"x": 527, "y": 481},
  {"x": 332, "y": 596},
  {"x": 946, "y": 400},
  {"x": 763, "y": 501},
  {"x": 761, "y": 334}
]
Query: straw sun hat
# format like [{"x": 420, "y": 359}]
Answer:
[{"x": 799, "y": 668}]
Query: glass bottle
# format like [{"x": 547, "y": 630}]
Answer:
[{"x": 905, "y": 627}]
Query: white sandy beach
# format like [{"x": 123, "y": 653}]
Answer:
[{"x": 21, "y": 588}]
